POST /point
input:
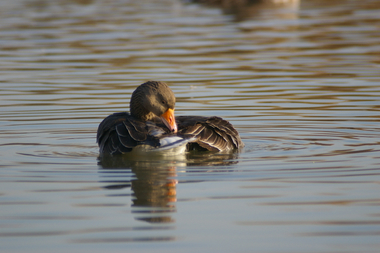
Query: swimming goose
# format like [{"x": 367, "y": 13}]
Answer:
[{"x": 151, "y": 126}]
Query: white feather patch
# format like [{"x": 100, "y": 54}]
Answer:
[{"x": 169, "y": 146}]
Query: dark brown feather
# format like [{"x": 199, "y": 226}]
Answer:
[
  {"x": 136, "y": 129},
  {"x": 214, "y": 133},
  {"x": 119, "y": 133}
]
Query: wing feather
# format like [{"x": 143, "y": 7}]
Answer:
[
  {"x": 119, "y": 133},
  {"x": 136, "y": 129},
  {"x": 213, "y": 133}
]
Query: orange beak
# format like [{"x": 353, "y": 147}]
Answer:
[{"x": 169, "y": 120}]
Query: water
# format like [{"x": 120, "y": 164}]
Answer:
[{"x": 300, "y": 82}]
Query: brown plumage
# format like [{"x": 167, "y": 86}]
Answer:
[{"x": 152, "y": 120}]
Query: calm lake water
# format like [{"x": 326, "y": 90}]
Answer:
[{"x": 299, "y": 81}]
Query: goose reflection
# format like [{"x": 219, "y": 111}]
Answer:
[{"x": 153, "y": 180}]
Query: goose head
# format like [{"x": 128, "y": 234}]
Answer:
[{"x": 154, "y": 99}]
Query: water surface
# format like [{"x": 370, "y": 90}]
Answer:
[{"x": 300, "y": 82}]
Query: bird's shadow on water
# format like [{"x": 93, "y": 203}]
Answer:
[{"x": 153, "y": 179}]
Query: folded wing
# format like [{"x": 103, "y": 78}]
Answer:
[
  {"x": 212, "y": 133},
  {"x": 120, "y": 133}
]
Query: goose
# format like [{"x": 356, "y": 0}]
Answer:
[{"x": 152, "y": 126}]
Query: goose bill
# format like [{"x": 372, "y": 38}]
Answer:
[{"x": 169, "y": 120}]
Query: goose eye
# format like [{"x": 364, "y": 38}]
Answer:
[{"x": 163, "y": 102}]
